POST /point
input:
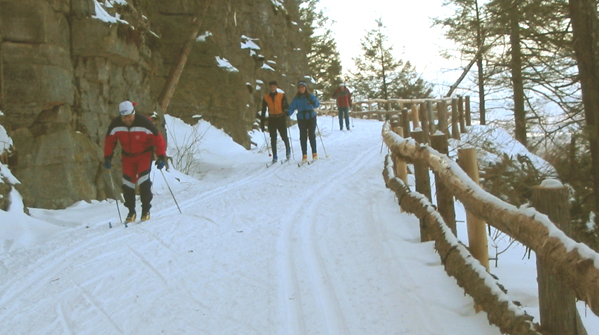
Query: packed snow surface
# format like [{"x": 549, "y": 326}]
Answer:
[{"x": 317, "y": 249}]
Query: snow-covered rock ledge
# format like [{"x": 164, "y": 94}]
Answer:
[
  {"x": 460, "y": 264},
  {"x": 574, "y": 264}
]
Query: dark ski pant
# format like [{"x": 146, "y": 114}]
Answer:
[
  {"x": 136, "y": 171},
  {"x": 278, "y": 123},
  {"x": 343, "y": 114},
  {"x": 307, "y": 129}
]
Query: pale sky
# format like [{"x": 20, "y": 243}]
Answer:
[{"x": 409, "y": 31}]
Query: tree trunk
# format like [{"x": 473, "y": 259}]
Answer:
[
  {"x": 479, "y": 65},
  {"x": 177, "y": 69},
  {"x": 585, "y": 24},
  {"x": 517, "y": 80}
]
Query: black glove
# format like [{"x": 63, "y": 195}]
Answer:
[
  {"x": 107, "y": 162},
  {"x": 160, "y": 162},
  {"x": 311, "y": 102}
]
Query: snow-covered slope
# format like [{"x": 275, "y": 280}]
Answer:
[{"x": 318, "y": 249}]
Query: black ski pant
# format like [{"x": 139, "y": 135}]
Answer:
[
  {"x": 278, "y": 123},
  {"x": 307, "y": 129}
]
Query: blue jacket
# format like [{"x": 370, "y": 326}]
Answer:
[{"x": 305, "y": 111}]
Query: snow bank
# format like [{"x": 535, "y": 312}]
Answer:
[{"x": 20, "y": 231}]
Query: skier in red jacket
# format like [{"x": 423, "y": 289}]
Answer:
[
  {"x": 138, "y": 136},
  {"x": 343, "y": 97}
]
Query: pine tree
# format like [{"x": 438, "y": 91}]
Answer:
[
  {"x": 379, "y": 75},
  {"x": 466, "y": 28},
  {"x": 323, "y": 57}
]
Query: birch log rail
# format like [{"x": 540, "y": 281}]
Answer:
[
  {"x": 573, "y": 264},
  {"x": 471, "y": 276}
]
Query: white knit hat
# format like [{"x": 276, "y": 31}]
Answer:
[{"x": 126, "y": 108}]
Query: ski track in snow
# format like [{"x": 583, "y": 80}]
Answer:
[
  {"x": 298, "y": 242},
  {"x": 278, "y": 250}
]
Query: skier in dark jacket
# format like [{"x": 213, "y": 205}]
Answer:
[
  {"x": 305, "y": 102},
  {"x": 138, "y": 137},
  {"x": 276, "y": 102},
  {"x": 343, "y": 97}
]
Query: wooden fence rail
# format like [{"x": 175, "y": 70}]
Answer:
[
  {"x": 573, "y": 264},
  {"x": 430, "y": 113},
  {"x": 471, "y": 276}
]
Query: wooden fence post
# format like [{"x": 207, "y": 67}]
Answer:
[
  {"x": 423, "y": 183},
  {"x": 424, "y": 122},
  {"x": 557, "y": 304},
  {"x": 461, "y": 114},
  {"x": 468, "y": 117},
  {"x": 477, "y": 232},
  {"x": 444, "y": 196},
  {"x": 442, "y": 115},
  {"x": 401, "y": 168},
  {"x": 405, "y": 122},
  {"x": 455, "y": 131},
  {"x": 431, "y": 117},
  {"x": 415, "y": 117}
]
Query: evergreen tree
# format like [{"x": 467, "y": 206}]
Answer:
[
  {"x": 533, "y": 59},
  {"x": 379, "y": 75},
  {"x": 323, "y": 57},
  {"x": 466, "y": 28}
]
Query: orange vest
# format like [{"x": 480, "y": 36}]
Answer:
[{"x": 275, "y": 108}]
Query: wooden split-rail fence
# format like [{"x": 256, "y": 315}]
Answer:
[
  {"x": 567, "y": 270},
  {"x": 448, "y": 115}
]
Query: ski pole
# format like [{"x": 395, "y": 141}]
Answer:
[
  {"x": 115, "y": 199},
  {"x": 290, "y": 142},
  {"x": 266, "y": 143},
  {"x": 169, "y": 188},
  {"x": 321, "y": 141}
]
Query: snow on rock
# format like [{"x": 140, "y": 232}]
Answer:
[
  {"x": 102, "y": 15},
  {"x": 6, "y": 174},
  {"x": 266, "y": 67},
  {"x": 110, "y": 3},
  {"x": 204, "y": 36},
  {"x": 5, "y": 140},
  {"x": 222, "y": 62},
  {"x": 248, "y": 43}
]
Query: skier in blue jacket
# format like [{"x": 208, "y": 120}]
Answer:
[{"x": 305, "y": 102}]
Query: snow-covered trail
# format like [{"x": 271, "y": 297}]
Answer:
[{"x": 318, "y": 249}]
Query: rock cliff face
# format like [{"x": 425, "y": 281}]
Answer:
[{"x": 64, "y": 71}]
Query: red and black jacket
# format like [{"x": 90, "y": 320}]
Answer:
[
  {"x": 343, "y": 97},
  {"x": 136, "y": 139}
]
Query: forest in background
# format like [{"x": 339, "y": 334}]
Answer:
[{"x": 532, "y": 70}]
